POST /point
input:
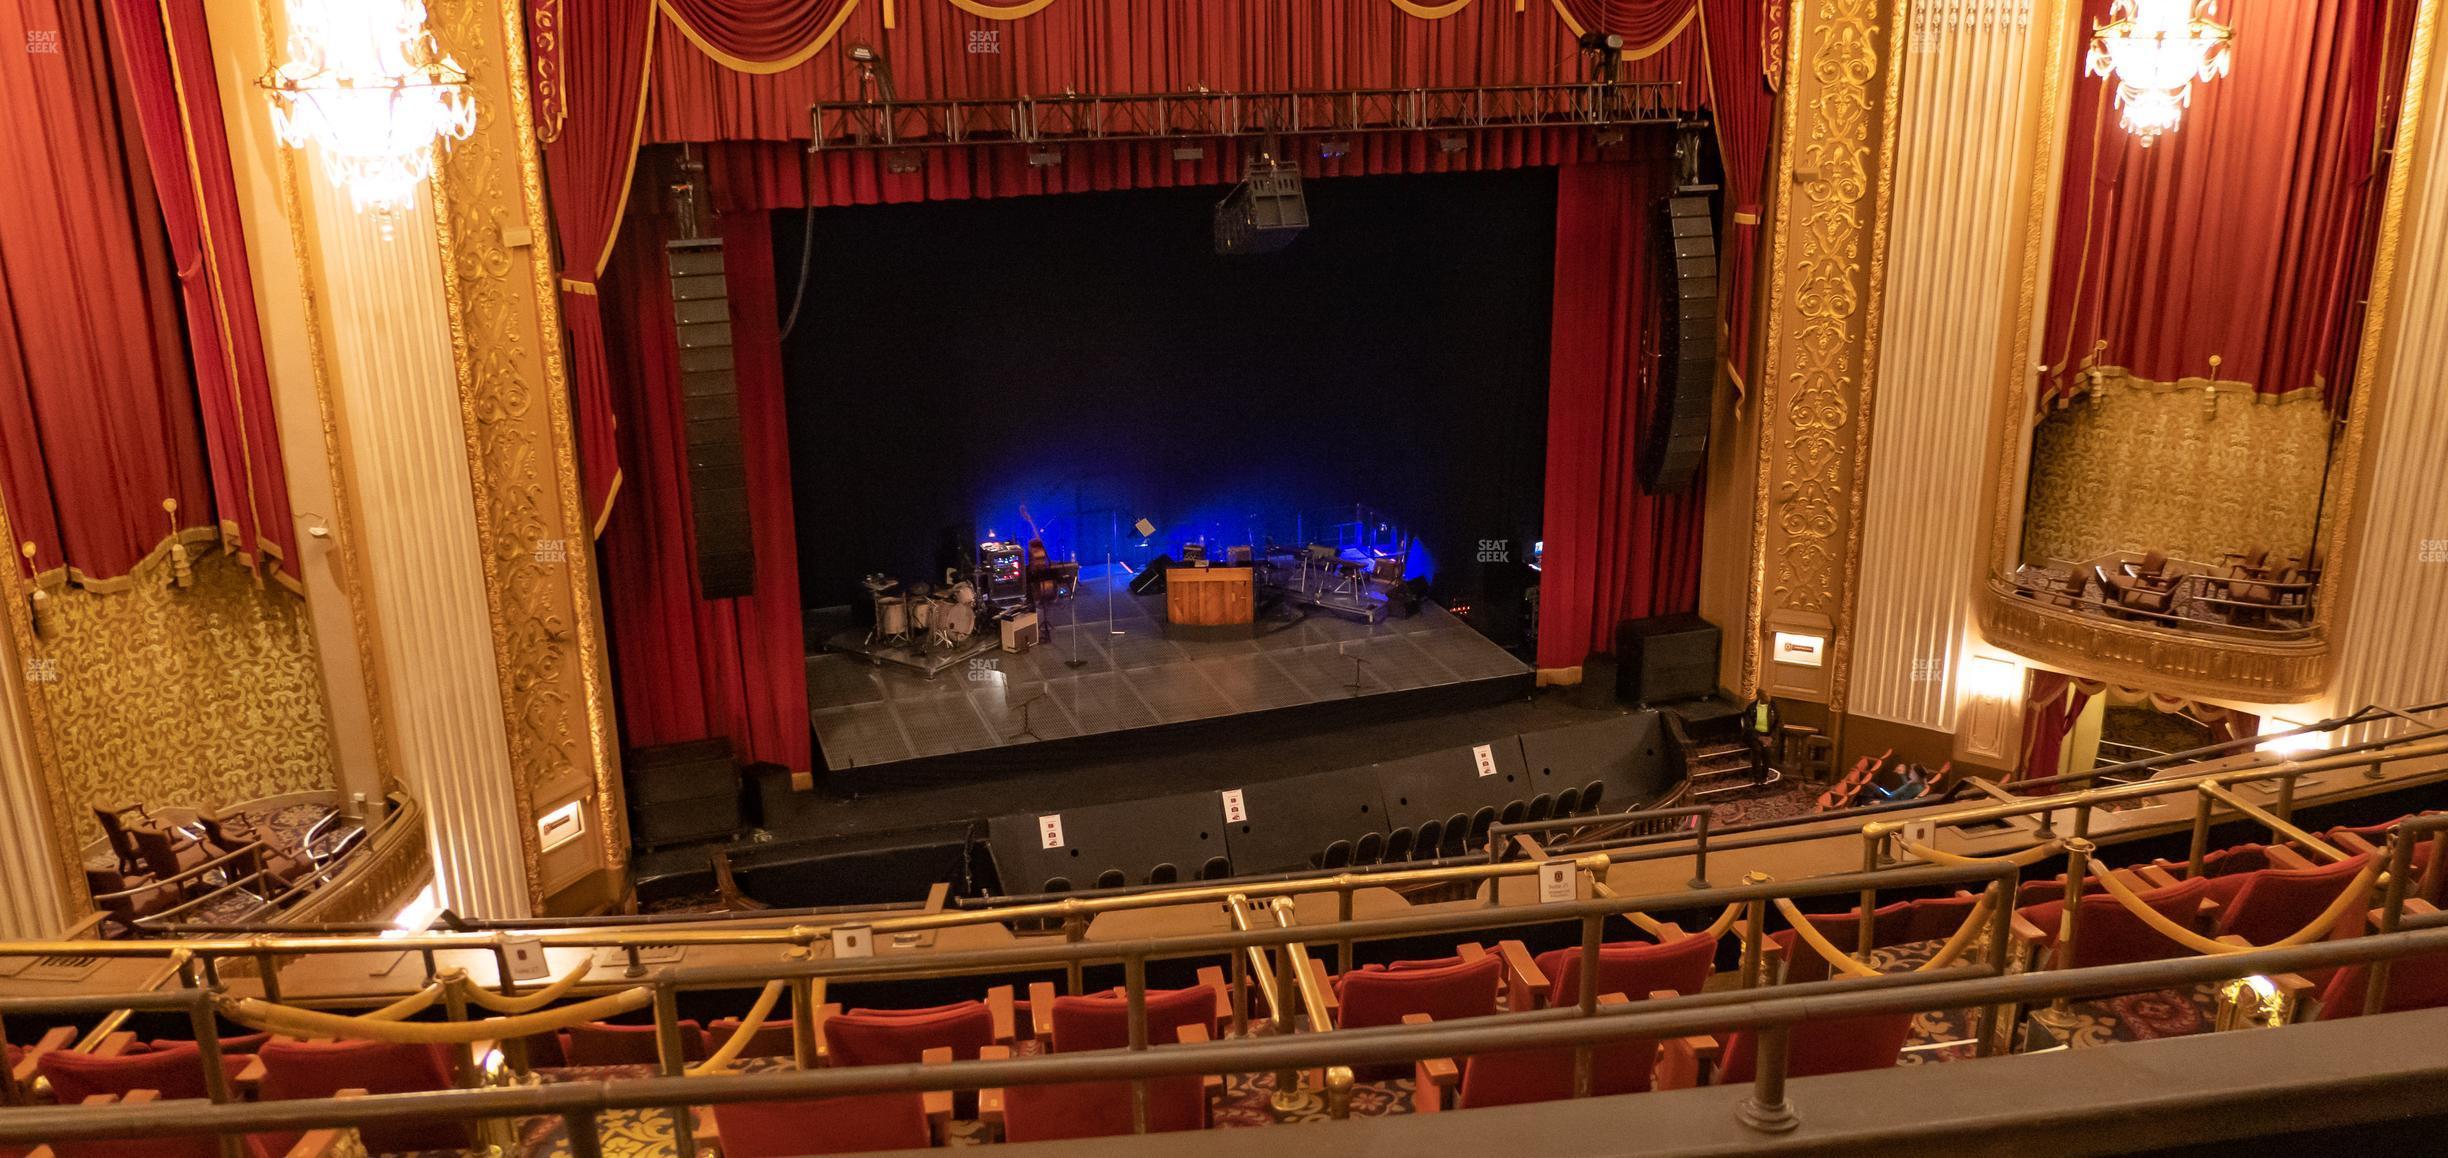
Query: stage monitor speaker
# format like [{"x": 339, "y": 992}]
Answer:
[
  {"x": 1674, "y": 442},
  {"x": 1132, "y": 842},
  {"x": 1441, "y": 804},
  {"x": 1151, "y": 579},
  {"x": 682, "y": 792},
  {"x": 1329, "y": 820},
  {"x": 709, "y": 400},
  {"x": 1665, "y": 658},
  {"x": 1611, "y": 765},
  {"x": 1265, "y": 211}
]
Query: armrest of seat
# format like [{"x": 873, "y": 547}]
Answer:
[
  {"x": 2281, "y": 856},
  {"x": 1001, "y": 1007},
  {"x": 990, "y": 1098},
  {"x": 115, "y": 1044},
  {"x": 333, "y": 1140},
  {"x": 1525, "y": 985},
  {"x": 21, "y": 1078},
  {"x": 2154, "y": 875},
  {"x": 937, "y": 1103},
  {"x": 1041, "y": 1014},
  {"x": 1436, "y": 1077},
  {"x": 1326, "y": 989},
  {"x": 250, "y": 1077},
  {"x": 1686, "y": 1062},
  {"x": 1194, "y": 1034},
  {"x": 2352, "y": 843},
  {"x": 2032, "y": 936}
]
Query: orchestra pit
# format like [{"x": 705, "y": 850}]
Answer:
[{"x": 744, "y": 578}]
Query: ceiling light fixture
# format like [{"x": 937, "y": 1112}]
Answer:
[
  {"x": 366, "y": 82},
  {"x": 2154, "y": 50}
]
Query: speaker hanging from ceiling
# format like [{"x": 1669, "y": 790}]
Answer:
[
  {"x": 709, "y": 399},
  {"x": 1674, "y": 442}
]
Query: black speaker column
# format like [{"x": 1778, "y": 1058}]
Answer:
[
  {"x": 1665, "y": 658},
  {"x": 1674, "y": 442},
  {"x": 709, "y": 395}
]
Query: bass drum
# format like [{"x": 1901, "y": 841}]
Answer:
[{"x": 954, "y": 623}]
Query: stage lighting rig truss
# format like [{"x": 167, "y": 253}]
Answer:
[{"x": 1192, "y": 117}]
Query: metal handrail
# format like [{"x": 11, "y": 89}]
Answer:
[{"x": 580, "y": 1102}]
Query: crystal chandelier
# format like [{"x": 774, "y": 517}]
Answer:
[
  {"x": 2155, "y": 50},
  {"x": 373, "y": 89}
]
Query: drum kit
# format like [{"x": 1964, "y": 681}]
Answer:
[{"x": 924, "y": 616}]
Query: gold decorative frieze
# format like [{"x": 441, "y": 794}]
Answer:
[
  {"x": 1828, "y": 260},
  {"x": 532, "y": 530},
  {"x": 2138, "y": 655}
]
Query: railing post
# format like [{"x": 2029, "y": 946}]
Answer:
[
  {"x": 1344, "y": 891},
  {"x": 1700, "y": 835},
  {"x": 2058, "y": 1017},
  {"x": 584, "y": 1142},
  {"x": 207, "y": 1031},
  {"x": 1593, "y": 932},
  {"x": 2197, "y": 857},
  {"x": 1766, "y": 1109},
  {"x": 2286, "y": 796},
  {"x": 1755, "y": 920},
  {"x": 1134, "y": 996},
  {"x": 2392, "y": 913},
  {"x": 1239, "y": 980},
  {"x": 1338, "y": 1092},
  {"x": 1866, "y": 930},
  {"x": 2001, "y": 959},
  {"x": 1075, "y": 930},
  {"x": 1286, "y": 1021},
  {"x": 804, "y": 1048},
  {"x": 674, "y": 1061}
]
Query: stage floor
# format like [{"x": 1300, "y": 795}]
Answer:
[{"x": 1130, "y": 677}]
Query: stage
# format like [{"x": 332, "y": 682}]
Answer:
[{"x": 1131, "y": 686}]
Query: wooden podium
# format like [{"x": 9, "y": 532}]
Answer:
[{"x": 1210, "y": 602}]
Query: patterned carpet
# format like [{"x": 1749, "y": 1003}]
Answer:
[{"x": 1947, "y": 1035}]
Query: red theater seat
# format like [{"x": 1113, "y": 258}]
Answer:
[
  {"x": 1514, "y": 1077},
  {"x": 2274, "y": 904},
  {"x": 305, "y": 1146},
  {"x": 1448, "y": 989},
  {"x": 877, "y": 1037},
  {"x": 1102, "y": 1021},
  {"x": 847, "y": 1125},
  {"x": 1101, "y": 1109},
  {"x": 604, "y": 1044},
  {"x": 1830, "y": 1046},
  {"x": 2107, "y": 934},
  {"x": 2413, "y": 982},
  {"x": 321, "y": 1069},
  {"x": 1681, "y": 963},
  {"x": 172, "y": 1074}
]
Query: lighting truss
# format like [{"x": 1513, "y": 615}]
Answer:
[{"x": 1203, "y": 115}]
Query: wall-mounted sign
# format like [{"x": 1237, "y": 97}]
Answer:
[
  {"x": 1799, "y": 649},
  {"x": 560, "y": 826}
]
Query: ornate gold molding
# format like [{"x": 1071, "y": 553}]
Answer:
[
  {"x": 2206, "y": 666},
  {"x": 531, "y": 529},
  {"x": 2138, "y": 655},
  {"x": 1828, "y": 267}
]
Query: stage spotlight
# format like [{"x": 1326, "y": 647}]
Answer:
[
  {"x": 1045, "y": 158},
  {"x": 1590, "y": 42},
  {"x": 901, "y": 161},
  {"x": 1450, "y": 143},
  {"x": 1189, "y": 152},
  {"x": 1608, "y": 138},
  {"x": 1333, "y": 147}
]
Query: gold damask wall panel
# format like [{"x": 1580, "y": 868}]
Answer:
[
  {"x": 196, "y": 695},
  {"x": 2138, "y": 466}
]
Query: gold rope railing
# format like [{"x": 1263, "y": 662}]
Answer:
[
  {"x": 720, "y": 1061},
  {"x": 531, "y": 1002},
  {"x": 2024, "y": 859},
  {"x": 1956, "y": 943},
  {"x": 1657, "y": 928},
  {"x": 2357, "y": 892},
  {"x": 258, "y": 1014}
]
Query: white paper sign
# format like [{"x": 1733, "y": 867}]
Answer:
[
  {"x": 853, "y": 941},
  {"x": 1921, "y": 832},
  {"x": 1485, "y": 754},
  {"x": 1049, "y": 831},
  {"x": 526, "y": 957},
  {"x": 1236, "y": 810},
  {"x": 1556, "y": 882}
]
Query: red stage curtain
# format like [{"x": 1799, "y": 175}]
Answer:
[
  {"x": 1612, "y": 552},
  {"x": 2045, "y": 723},
  {"x": 2240, "y": 233},
  {"x": 97, "y": 415},
  {"x": 169, "y": 70},
  {"x": 690, "y": 667},
  {"x": 590, "y": 80},
  {"x": 757, "y": 35},
  {"x": 1742, "y": 101}
]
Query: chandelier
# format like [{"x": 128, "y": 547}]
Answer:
[
  {"x": 375, "y": 92},
  {"x": 2155, "y": 50}
]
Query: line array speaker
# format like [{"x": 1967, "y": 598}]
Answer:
[
  {"x": 709, "y": 398},
  {"x": 1675, "y": 442},
  {"x": 1265, "y": 211}
]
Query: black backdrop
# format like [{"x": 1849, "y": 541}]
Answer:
[{"x": 1090, "y": 356}]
